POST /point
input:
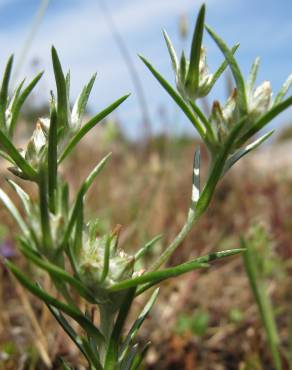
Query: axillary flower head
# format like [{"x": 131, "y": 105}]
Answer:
[
  {"x": 223, "y": 117},
  {"x": 192, "y": 76},
  {"x": 260, "y": 100},
  {"x": 204, "y": 84},
  {"x": 101, "y": 263}
]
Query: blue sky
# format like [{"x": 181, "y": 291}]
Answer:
[{"x": 80, "y": 33}]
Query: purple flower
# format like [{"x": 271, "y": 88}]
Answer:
[{"x": 7, "y": 249}]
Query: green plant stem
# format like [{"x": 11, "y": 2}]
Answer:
[
  {"x": 193, "y": 217},
  {"x": 264, "y": 304},
  {"x": 106, "y": 327}
]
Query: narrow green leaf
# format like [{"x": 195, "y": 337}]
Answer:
[
  {"x": 196, "y": 176},
  {"x": 92, "y": 176},
  {"x": 106, "y": 259},
  {"x": 138, "y": 323},
  {"x": 81, "y": 193},
  {"x": 23, "y": 196},
  {"x": 62, "y": 99},
  {"x": 52, "y": 158},
  {"x": 58, "y": 273},
  {"x": 283, "y": 91},
  {"x": 17, "y": 105},
  {"x": 112, "y": 351},
  {"x": 138, "y": 360},
  {"x": 158, "y": 276},
  {"x": 176, "y": 97},
  {"x": 10, "y": 149},
  {"x": 81, "y": 102},
  {"x": 4, "y": 93},
  {"x": 252, "y": 76},
  {"x": 92, "y": 353},
  {"x": 68, "y": 85},
  {"x": 44, "y": 212},
  {"x": 192, "y": 80},
  {"x": 73, "y": 216},
  {"x": 221, "y": 69},
  {"x": 73, "y": 312},
  {"x": 264, "y": 120},
  {"x": 127, "y": 363},
  {"x": 182, "y": 68},
  {"x": 89, "y": 125},
  {"x": 241, "y": 93},
  {"x": 204, "y": 120},
  {"x": 218, "y": 166},
  {"x": 211, "y": 257},
  {"x": 65, "y": 365},
  {"x": 244, "y": 151},
  {"x": 12, "y": 104},
  {"x": 13, "y": 211},
  {"x": 145, "y": 249},
  {"x": 171, "y": 52},
  {"x": 68, "y": 329},
  {"x": 78, "y": 238},
  {"x": 6, "y": 157},
  {"x": 203, "y": 261}
]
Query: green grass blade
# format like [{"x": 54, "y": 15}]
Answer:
[
  {"x": 176, "y": 97},
  {"x": 62, "y": 98},
  {"x": 89, "y": 125},
  {"x": 16, "y": 107},
  {"x": 52, "y": 158},
  {"x": 14, "y": 154},
  {"x": 241, "y": 93},
  {"x": 263, "y": 302},
  {"x": 4, "y": 93},
  {"x": 193, "y": 75},
  {"x": 73, "y": 312},
  {"x": 264, "y": 120}
]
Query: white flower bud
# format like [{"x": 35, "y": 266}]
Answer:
[{"x": 261, "y": 99}]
